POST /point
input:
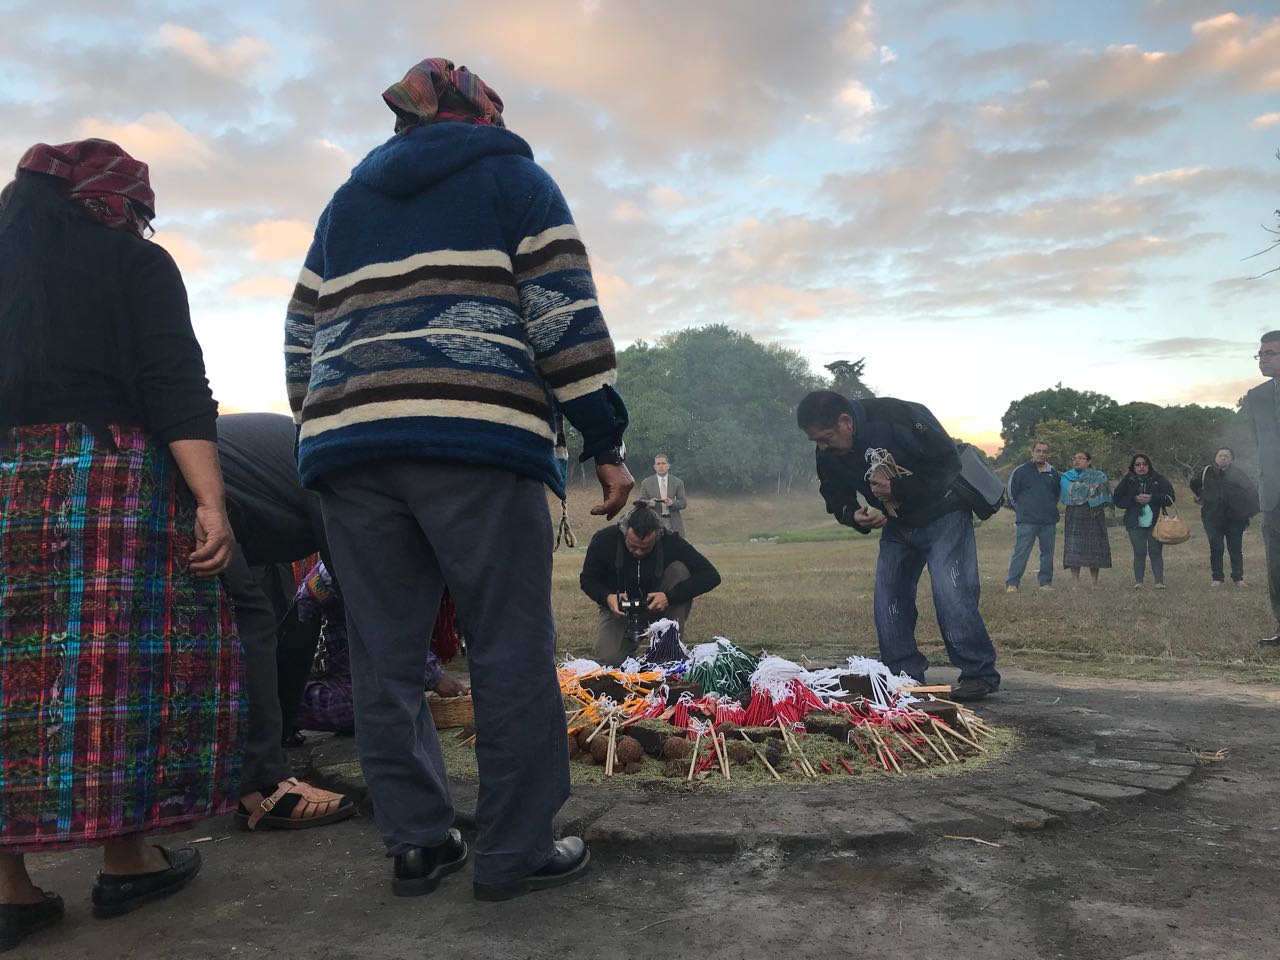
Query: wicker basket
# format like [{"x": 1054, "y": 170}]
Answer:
[{"x": 451, "y": 711}]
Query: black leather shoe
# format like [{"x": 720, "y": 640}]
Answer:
[
  {"x": 972, "y": 689},
  {"x": 420, "y": 870},
  {"x": 1270, "y": 641},
  {"x": 570, "y": 862},
  {"x": 115, "y": 894},
  {"x": 19, "y": 920}
]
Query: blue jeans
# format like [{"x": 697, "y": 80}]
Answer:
[
  {"x": 947, "y": 546},
  {"x": 1028, "y": 534}
]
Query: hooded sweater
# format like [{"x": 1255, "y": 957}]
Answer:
[{"x": 446, "y": 311}]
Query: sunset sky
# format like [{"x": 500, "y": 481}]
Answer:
[{"x": 982, "y": 198}]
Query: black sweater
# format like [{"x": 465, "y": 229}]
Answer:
[
  {"x": 121, "y": 348},
  {"x": 1130, "y": 485},
  {"x": 917, "y": 442},
  {"x": 609, "y": 568}
]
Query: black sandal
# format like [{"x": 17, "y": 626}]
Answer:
[
  {"x": 116, "y": 894},
  {"x": 19, "y": 920}
]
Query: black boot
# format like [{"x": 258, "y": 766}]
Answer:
[
  {"x": 19, "y": 920},
  {"x": 571, "y": 861},
  {"x": 420, "y": 870}
]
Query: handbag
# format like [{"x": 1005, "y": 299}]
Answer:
[{"x": 1170, "y": 528}]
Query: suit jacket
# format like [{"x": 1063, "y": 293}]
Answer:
[
  {"x": 1260, "y": 405},
  {"x": 674, "y": 519}
]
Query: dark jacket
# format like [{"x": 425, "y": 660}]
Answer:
[
  {"x": 1131, "y": 485},
  {"x": 917, "y": 442},
  {"x": 1261, "y": 407},
  {"x": 610, "y": 568},
  {"x": 121, "y": 348},
  {"x": 1225, "y": 495},
  {"x": 1034, "y": 493},
  {"x": 274, "y": 519}
]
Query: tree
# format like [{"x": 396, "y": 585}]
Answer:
[
  {"x": 1181, "y": 440},
  {"x": 1081, "y": 408},
  {"x": 1066, "y": 439},
  {"x": 846, "y": 378}
]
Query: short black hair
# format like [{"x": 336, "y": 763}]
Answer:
[
  {"x": 643, "y": 521},
  {"x": 1226, "y": 448},
  {"x": 1087, "y": 455},
  {"x": 1271, "y": 336},
  {"x": 822, "y": 408},
  {"x": 1141, "y": 456}
]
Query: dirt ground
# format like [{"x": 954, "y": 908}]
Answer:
[{"x": 1190, "y": 875}]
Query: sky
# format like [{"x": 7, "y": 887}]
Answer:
[{"x": 982, "y": 198}]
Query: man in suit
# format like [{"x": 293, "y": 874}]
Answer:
[
  {"x": 1262, "y": 405},
  {"x": 665, "y": 494}
]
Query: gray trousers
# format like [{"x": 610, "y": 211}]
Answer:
[
  {"x": 612, "y": 643},
  {"x": 400, "y": 531},
  {"x": 1271, "y": 544},
  {"x": 264, "y": 759}
]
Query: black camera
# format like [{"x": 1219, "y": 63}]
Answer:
[{"x": 630, "y": 605}]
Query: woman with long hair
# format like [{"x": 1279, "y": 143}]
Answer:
[
  {"x": 1142, "y": 493},
  {"x": 1086, "y": 491},
  {"x": 1228, "y": 499},
  {"x": 119, "y": 706}
]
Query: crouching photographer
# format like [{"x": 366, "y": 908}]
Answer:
[{"x": 639, "y": 573}]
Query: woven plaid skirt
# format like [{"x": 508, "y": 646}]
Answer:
[
  {"x": 1084, "y": 537},
  {"x": 120, "y": 708}
]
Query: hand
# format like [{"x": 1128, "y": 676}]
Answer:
[
  {"x": 1143, "y": 498},
  {"x": 612, "y": 601},
  {"x": 447, "y": 686},
  {"x": 615, "y": 483},
  {"x": 214, "y": 540},
  {"x": 863, "y": 518},
  {"x": 881, "y": 487},
  {"x": 667, "y": 501},
  {"x": 658, "y": 602}
]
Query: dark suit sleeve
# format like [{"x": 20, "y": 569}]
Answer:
[{"x": 703, "y": 577}]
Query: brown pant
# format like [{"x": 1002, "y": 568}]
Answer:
[{"x": 612, "y": 644}]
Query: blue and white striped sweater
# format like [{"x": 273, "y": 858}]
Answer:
[{"x": 446, "y": 310}]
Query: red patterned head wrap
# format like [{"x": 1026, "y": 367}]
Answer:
[
  {"x": 111, "y": 186},
  {"x": 435, "y": 90}
]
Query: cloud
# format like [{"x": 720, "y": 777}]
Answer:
[
  {"x": 1265, "y": 121},
  {"x": 232, "y": 60},
  {"x": 276, "y": 289},
  {"x": 153, "y": 138},
  {"x": 1219, "y": 393},
  {"x": 281, "y": 240},
  {"x": 186, "y": 254},
  {"x": 1186, "y": 348}
]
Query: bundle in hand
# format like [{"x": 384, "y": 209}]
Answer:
[{"x": 883, "y": 465}]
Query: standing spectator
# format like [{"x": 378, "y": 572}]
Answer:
[
  {"x": 1142, "y": 494},
  {"x": 1262, "y": 405},
  {"x": 1086, "y": 493},
  {"x": 665, "y": 494},
  {"x": 923, "y": 523},
  {"x": 275, "y": 521},
  {"x": 1033, "y": 491},
  {"x": 444, "y": 320},
  {"x": 119, "y": 669},
  {"x": 1228, "y": 500}
]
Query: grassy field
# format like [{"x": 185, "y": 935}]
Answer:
[{"x": 810, "y": 595}]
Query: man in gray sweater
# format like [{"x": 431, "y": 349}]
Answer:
[{"x": 1033, "y": 491}]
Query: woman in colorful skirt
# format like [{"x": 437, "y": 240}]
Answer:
[
  {"x": 119, "y": 668},
  {"x": 1086, "y": 492}
]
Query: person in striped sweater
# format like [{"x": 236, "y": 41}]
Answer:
[{"x": 444, "y": 321}]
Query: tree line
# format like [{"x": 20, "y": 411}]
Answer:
[{"x": 722, "y": 406}]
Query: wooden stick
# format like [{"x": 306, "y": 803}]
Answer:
[
  {"x": 613, "y": 747},
  {"x": 927, "y": 739},
  {"x": 910, "y": 749},
  {"x": 724, "y": 758},
  {"x": 946, "y": 744},
  {"x": 793, "y": 744},
  {"x": 697, "y": 740},
  {"x": 600, "y": 726},
  {"x": 883, "y": 744},
  {"x": 962, "y": 738},
  {"x": 763, "y": 759}
]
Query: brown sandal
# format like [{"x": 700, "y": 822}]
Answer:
[{"x": 312, "y": 807}]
